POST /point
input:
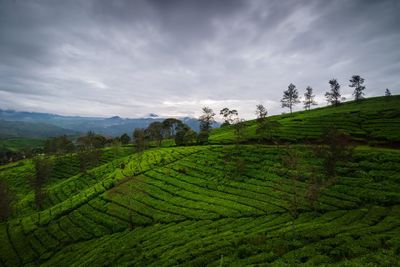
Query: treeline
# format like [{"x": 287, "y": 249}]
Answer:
[
  {"x": 8, "y": 155},
  {"x": 174, "y": 129},
  {"x": 333, "y": 96}
]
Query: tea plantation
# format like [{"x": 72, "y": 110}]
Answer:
[
  {"x": 220, "y": 204},
  {"x": 373, "y": 121}
]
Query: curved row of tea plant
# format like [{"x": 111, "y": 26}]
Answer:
[{"x": 197, "y": 206}]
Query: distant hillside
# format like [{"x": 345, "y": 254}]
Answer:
[
  {"x": 16, "y": 129},
  {"x": 375, "y": 120},
  {"x": 17, "y": 144},
  {"x": 113, "y": 126}
]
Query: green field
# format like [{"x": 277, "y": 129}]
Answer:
[{"x": 216, "y": 205}]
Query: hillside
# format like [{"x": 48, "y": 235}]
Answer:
[
  {"x": 18, "y": 129},
  {"x": 220, "y": 205},
  {"x": 373, "y": 120},
  {"x": 190, "y": 206}
]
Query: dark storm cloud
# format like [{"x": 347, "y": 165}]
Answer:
[{"x": 129, "y": 58}]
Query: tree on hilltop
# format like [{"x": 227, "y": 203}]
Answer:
[
  {"x": 261, "y": 112},
  {"x": 357, "y": 83},
  {"x": 290, "y": 97},
  {"x": 206, "y": 122},
  {"x": 228, "y": 115},
  {"x": 334, "y": 97},
  {"x": 309, "y": 98}
]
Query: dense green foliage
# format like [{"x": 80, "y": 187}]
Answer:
[{"x": 220, "y": 205}]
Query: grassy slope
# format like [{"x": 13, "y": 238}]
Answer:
[
  {"x": 374, "y": 120},
  {"x": 186, "y": 206}
]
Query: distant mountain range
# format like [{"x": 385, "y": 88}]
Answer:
[{"x": 34, "y": 124}]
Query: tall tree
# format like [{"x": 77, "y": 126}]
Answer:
[
  {"x": 334, "y": 97},
  {"x": 185, "y": 135},
  {"x": 89, "y": 150},
  {"x": 290, "y": 97},
  {"x": 139, "y": 139},
  {"x": 335, "y": 147},
  {"x": 155, "y": 132},
  {"x": 43, "y": 168},
  {"x": 357, "y": 83},
  {"x": 5, "y": 201},
  {"x": 261, "y": 112},
  {"x": 228, "y": 115},
  {"x": 206, "y": 122},
  {"x": 125, "y": 139},
  {"x": 170, "y": 126},
  {"x": 309, "y": 98},
  {"x": 387, "y": 92},
  {"x": 207, "y": 119}
]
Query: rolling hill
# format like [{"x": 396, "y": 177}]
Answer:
[
  {"x": 217, "y": 205},
  {"x": 17, "y": 129},
  {"x": 372, "y": 120}
]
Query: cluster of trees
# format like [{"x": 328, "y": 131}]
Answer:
[
  {"x": 265, "y": 128},
  {"x": 333, "y": 96},
  {"x": 63, "y": 144},
  {"x": 8, "y": 155},
  {"x": 58, "y": 145},
  {"x": 175, "y": 129}
]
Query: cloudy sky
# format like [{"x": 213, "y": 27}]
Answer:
[{"x": 130, "y": 58}]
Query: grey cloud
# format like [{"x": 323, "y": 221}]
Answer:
[{"x": 129, "y": 58}]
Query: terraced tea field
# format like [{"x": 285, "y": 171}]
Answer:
[
  {"x": 373, "y": 120},
  {"x": 213, "y": 205}
]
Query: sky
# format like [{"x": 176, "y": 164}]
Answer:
[{"x": 172, "y": 57}]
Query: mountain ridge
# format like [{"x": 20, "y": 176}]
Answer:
[{"x": 111, "y": 126}]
